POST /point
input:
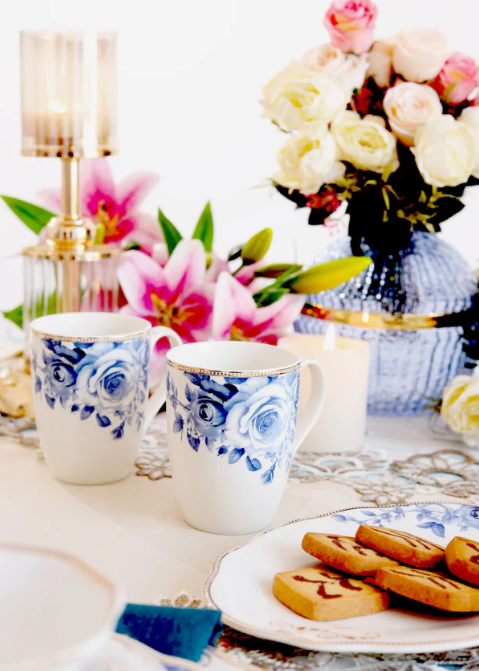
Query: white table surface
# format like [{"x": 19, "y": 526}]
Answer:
[{"x": 133, "y": 530}]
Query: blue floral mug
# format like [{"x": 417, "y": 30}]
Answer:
[
  {"x": 90, "y": 388},
  {"x": 233, "y": 429}
]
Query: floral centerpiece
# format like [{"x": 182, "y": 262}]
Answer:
[
  {"x": 389, "y": 130},
  {"x": 182, "y": 283},
  {"x": 390, "y": 123}
]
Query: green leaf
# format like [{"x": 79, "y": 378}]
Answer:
[
  {"x": 255, "y": 249},
  {"x": 204, "y": 230},
  {"x": 263, "y": 299},
  {"x": 171, "y": 233},
  {"x": 327, "y": 275},
  {"x": 32, "y": 216},
  {"x": 132, "y": 245},
  {"x": 15, "y": 315},
  {"x": 275, "y": 270}
]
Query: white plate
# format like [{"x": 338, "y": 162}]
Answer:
[
  {"x": 126, "y": 654},
  {"x": 56, "y": 611},
  {"x": 240, "y": 585}
]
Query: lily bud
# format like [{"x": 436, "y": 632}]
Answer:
[
  {"x": 327, "y": 275},
  {"x": 255, "y": 249}
]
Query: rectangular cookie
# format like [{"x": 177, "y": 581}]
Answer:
[
  {"x": 429, "y": 587},
  {"x": 401, "y": 545},
  {"x": 345, "y": 553},
  {"x": 462, "y": 559},
  {"x": 320, "y": 593}
]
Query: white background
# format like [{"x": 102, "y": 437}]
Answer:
[{"x": 190, "y": 77}]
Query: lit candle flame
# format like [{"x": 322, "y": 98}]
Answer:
[
  {"x": 58, "y": 107},
  {"x": 365, "y": 317},
  {"x": 330, "y": 338}
]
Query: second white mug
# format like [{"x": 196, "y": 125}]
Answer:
[{"x": 232, "y": 430}]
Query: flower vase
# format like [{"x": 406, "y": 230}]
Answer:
[{"x": 397, "y": 305}]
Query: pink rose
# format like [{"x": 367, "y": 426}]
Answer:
[
  {"x": 350, "y": 24},
  {"x": 458, "y": 77}
]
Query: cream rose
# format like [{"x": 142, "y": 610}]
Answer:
[
  {"x": 347, "y": 69},
  {"x": 460, "y": 406},
  {"x": 300, "y": 99},
  {"x": 419, "y": 54},
  {"x": 380, "y": 60},
  {"x": 408, "y": 106},
  {"x": 445, "y": 151},
  {"x": 308, "y": 161},
  {"x": 470, "y": 116},
  {"x": 365, "y": 142}
]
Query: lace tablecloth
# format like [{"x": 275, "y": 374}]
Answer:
[{"x": 134, "y": 531}]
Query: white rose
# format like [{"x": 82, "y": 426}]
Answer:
[
  {"x": 380, "y": 60},
  {"x": 460, "y": 406},
  {"x": 299, "y": 99},
  {"x": 308, "y": 161},
  {"x": 365, "y": 142},
  {"x": 408, "y": 106},
  {"x": 346, "y": 69},
  {"x": 470, "y": 116},
  {"x": 419, "y": 54},
  {"x": 445, "y": 151}
]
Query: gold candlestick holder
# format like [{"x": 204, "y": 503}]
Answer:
[{"x": 69, "y": 112}]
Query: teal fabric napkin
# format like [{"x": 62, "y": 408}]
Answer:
[{"x": 180, "y": 632}]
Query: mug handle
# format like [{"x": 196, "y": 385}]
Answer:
[
  {"x": 315, "y": 401},
  {"x": 159, "y": 397}
]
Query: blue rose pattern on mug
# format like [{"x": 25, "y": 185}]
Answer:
[
  {"x": 251, "y": 419},
  {"x": 107, "y": 381}
]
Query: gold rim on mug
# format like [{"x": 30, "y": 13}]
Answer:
[
  {"x": 268, "y": 634},
  {"x": 92, "y": 339},
  {"x": 271, "y": 372}
]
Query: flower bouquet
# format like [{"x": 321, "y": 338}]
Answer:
[
  {"x": 388, "y": 130},
  {"x": 182, "y": 283},
  {"x": 390, "y": 127}
]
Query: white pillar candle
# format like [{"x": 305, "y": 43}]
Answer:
[{"x": 342, "y": 423}]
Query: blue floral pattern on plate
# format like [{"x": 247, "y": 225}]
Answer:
[
  {"x": 432, "y": 516},
  {"x": 107, "y": 381},
  {"x": 241, "y": 419}
]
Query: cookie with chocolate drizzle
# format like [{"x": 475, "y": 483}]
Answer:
[
  {"x": 462, "y": 559},
  {"x": 345, "y": 553},
  {"x": 401, "y": 545},
  {"x": 429, "y": 587},
  {"x": 319, "y": 593}
]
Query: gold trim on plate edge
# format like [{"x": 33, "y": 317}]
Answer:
[{"x": 271, "y": 635}]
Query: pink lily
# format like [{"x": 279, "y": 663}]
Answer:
[
  {"x": 214, "y": 268},
  {"x": 236, "y": 316},
  {"x": 115, "y": 206},
  {"x": 245, "y": 274},
  {"x": 177, "y": 296}
]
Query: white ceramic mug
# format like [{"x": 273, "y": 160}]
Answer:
[
  {"x": 90, "y": 388},
  {"x": 232, "y": 411}
]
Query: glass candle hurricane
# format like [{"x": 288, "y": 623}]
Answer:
[
  {"x": 69, "y": 111},
  {"x": 68, "y": 93}
]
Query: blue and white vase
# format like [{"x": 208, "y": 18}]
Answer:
[{"x": 409, "y": 367}]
